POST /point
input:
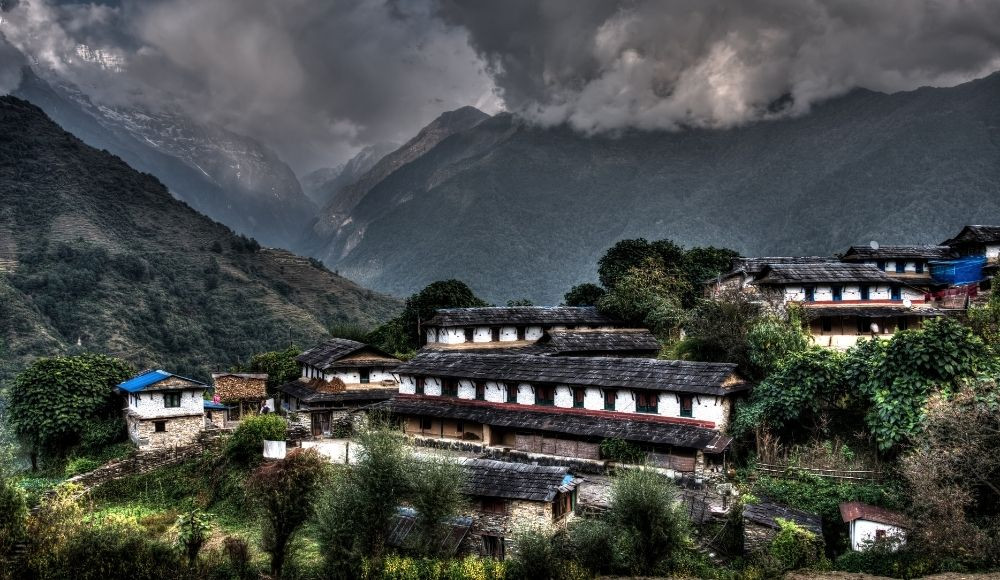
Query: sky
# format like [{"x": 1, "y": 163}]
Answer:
[{"x": 317, "y": 80}]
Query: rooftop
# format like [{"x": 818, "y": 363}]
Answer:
[
  {"x": 327, "y": 354},
  {"x": 765, "y": 512},
  {"x": 976, "y": 235},
  {"x": 489, "y": 478},
  {"x": 308, "y": 391},
  {"x": 583, "y": 341},
  {"x": 817, "y": 273},
  {"x": 876, "y": 310},
  {"x": 521, "y": 315},
  {"x": 911, "y": 252},
  {"x": 576, "y": 422},
  {"x": 754, "y": 266},
  {"x": 663, "y": 375},
  {"x": 253, "y": 376},
  {"x": 147, "y": 379},
  {"x": 451, "y": 535},
  {"x": 855, "y": 510}
]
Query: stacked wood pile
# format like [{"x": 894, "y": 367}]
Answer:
[
  {"x": 235, "y": 387},
  {"x": 334, "y": 385}
]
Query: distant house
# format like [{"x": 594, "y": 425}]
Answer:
[
  {"x": 163, "y": 409},
  {"x": 907, "y": 263},
  {"x": 565, "y": 406},
  {"x": 744, "y": 270},
  {"x": 338, "y": 376},
  {"x": 869, "y": 524},
  {"x": 505, "y": 497},
  {"x": 618, "y": 342},
  {"x": 760, "y": 523},
  {"x": 241, "y": 393},
  {"x": 506, "y": 327},
  {"x": 977, "y": 241}
]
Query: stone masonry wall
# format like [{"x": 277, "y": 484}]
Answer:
[{"x": 180, "y": 431}]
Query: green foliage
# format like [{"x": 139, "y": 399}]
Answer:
[
  {"x": 704, "y": 263},
  {"x": 647, "y": 296},
  {"x": 887, "y": 559},
  {"x": 13, "y": 524},
  {"x": 192, "y": 532},
  {"x": 280, "y": 366},
  {"x": 535, "y": 556},
  {"x": 644, "y": 512},
  {"x": 403, "y": 333},
  {"x": 53, "y": 400},
  {"x": 586, "y": 294},
  {"x": 622, "y": 451},
  {"x": 437, "y": 497},
  {"x": 794, "y": 547},
  {"x": 520, "y": 302},
  {"x": 246, "y": 445},
  {"x": 105, "y": 551},
  {"x": 627, "y": 255},
  {"x": 79, "y": 465},
  {"x": 985, "y": 319},
  {"x": 596, "y": 545},
  {"x": 285, "y": 491},
  {"x": 394, "y": 567}
]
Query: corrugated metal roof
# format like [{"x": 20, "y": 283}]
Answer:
[
  {"x": 148, "y": 378},
  {"x": 215, "y": 406},
  {"x": 521, "y": 315}
]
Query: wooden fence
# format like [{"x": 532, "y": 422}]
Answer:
[{"x": 773, "y": 470}]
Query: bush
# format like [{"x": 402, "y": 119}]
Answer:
[
  {"x": 80, "y": 465},
  {"x": 100, "y": 552},
  {"x": 649, "y": 522},
  {"x": 882, "y": 559},
  {"x": 794, "y": 547},
  {"x": 13, "y": 520},
  {"x": 534, "y": 557},
  {"x": 622, "y": 451},
  {"x": 396, "y": 567},
  {"x": 246, "y": 445}
]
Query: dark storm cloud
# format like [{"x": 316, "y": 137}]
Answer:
[{"x": 659, "y": 64}]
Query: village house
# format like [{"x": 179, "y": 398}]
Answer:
[
  {"x": 745, "y": 270},
  {"x": 977, "y": 241},
  {"x": 338, "y": 376},
  {"x": 508, "y": 327},
  {"x": 870, "y": 524},
  {"x": 240, "y": 393},
  {"x": 163, "y": 409},
  {"x": 618, "y": 342},
  {"x": 910, "y": 263},
  {"x": 760, "y": 523},
  {"x": 565, "y": 406}
]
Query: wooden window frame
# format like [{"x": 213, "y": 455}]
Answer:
[
  {"x": 579, "y": 397},
  {"x": 918, "y": 267},
  {"x": 159, "y": 426},
  {"x": 826, "y": 323},
  {"x": 470, "y": 334},
  {"x": 493, "y": 546},
  {"x": 449, "y": 387},
  {"x": 169, "y": 397},
  {"x": 364, "y": 376},
  {"x": 521, "y": 333},
  {"x": 896, "y": 293},
  {"x": 837, "y": 292},
  {"x": 689, "y": 412},
  {"x": 900, "y": 267},
  {"x": 865, "y": 292},
  {"x": 480, "y": 391},
  {"x": 418, "y": 387},
  {"x": 810, "y": 293},
  {"x": 612, "y": 395},
  {"x": 540, "y": 390},
  {"x": 428, "y": 422},
  {"x": 495, "y": 334},
  {"x": 493, "y": 505},
  {"x": 512, "y": 389},
  {"x": 642, "y": 402}
]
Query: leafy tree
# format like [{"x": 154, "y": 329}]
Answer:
[
  {"x": 55, "y": 399},
  {"x": 246, "y": 445},
  {"x": 403, "y": 333},
  {"x": 586, "y": 294},
  {"x": 284, "y": 491},
  {"x": 704, "y": 263},
  {"x": 535, "y": 556},
  {"x": 192, "y": 531},
  {"x": 437, "y": 497},
  {"x": 648, "y": 296},
  {"x": 644, "y": 511},
  {"x": 280, "y": 366},
  {"x": 627, "y": 255}
]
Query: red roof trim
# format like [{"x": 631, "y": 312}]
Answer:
[{"x": 855, "y": 510}]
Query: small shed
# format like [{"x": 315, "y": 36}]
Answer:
[
  {"x": 760, "y": 523},
  {"x": 242, "y": 392},
  {"x": 870, "y": 523}
]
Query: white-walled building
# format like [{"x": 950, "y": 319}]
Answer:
[
  {"x": 870, "y": 524},
  {"x": 907, "y": 263},
  {"x": 163, "y": 409},
  {"x": 507, "y": 327}
]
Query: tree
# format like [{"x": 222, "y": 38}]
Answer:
[
  {"x": 192, "y": 531},
  {"x": 55, "y": 399},
  {"x": 284, "y": 491},
  {"x": 280, "y": 366},
  {"x": 704, "y": 263},
  {"x": 403, "y": 333},
  {"x": 520, "y": 302},
  {"x": 246, "y": 445},
  {"x": 437, "y": 497},
  {"x": 586, "y": 294},
  {"x": 644, "y": 511},
  {"x": 629, "y": 254},
  {"x": 646, "y": 295}
]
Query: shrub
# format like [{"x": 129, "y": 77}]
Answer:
[
  {"x": 622, "y": 451},
  {"x": 246, "y": 445},
  {"x": 100, "y": 552},
  {"x": 396, "y": 567},
  {"x": 192, "y": 531},
  {"x": 884, "y": 559},
  {"x": 794, "y": 547},
  {"x": 80, "y": 465},
  {"x": 647, "y": 518},
  {"x": 13, "y": 520},
  {"x": 594, "y": 545},
  {"x": 534, "y": 556}
]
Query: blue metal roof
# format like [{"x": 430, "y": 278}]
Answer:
[
  {"x": 143, "y": 380},
  {"x": 214, "y": 405}
]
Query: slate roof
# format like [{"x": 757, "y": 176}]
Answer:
[
  {"x": 451, "y": 537},
  {"x": 975, "y": 235},
  {"x": 754, "y": 266},
  {"x": 816, "y": 273},
  {"x": 912, "y": 252},
  {"x": 638, "y": 373},
  {"x": 490, "y": 478},
  {"x": 146, "y": 379},
  {"x": 302, "y": 390},
  {"x": 254, "y": 376},
  {"x": 881, "y": 311},
  {"x": 521, "y": 315},
  {"x": 326, "y": 355},
  {"x": 855, "y": 510},
  {"x": 583, "y": 341},
  {"x": 574, "y": 422},
  {"x": 766, "y": 512}
]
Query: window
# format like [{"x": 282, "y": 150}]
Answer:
[
  {"x": 827, "y": 323},
  {"x": 900, "y": 267},
  {"x": 896, "y": 293},
  {"x": 562, "y": 505},
  {"x": 459, "y": 426},
  {"x": 879, "y": 535},
  {"x": 365, "y": 376},
  {"x": 420, "y": 386},
  {"x": 687, "y": 406},
  {"x": 480, "y": 391},
  {"x": 864, "y": 292},
  {"x": 902, "y": 323},
  {"x": 492, "y": 505},
  {"x": 468, "y": 334},
  {"x": 171, "y": 399},
  {"x": 648, "y": 402},
  {"x": 159, "y": 426},
  {"x": 810, "y": 294},
  {"x": 864, "y": 326},
  {"x": 520, "y": 333},
  {"x": 881, "y": 265},
  {"x": 495, "y": 335},
  {"x": 511, "y": 392},
  {"x": 838, "y": 293},
  {"x": 609, "y": 399},
  {"x": 919, "y": 267},
  {"x": 425, "y": 424},
  {"x": 578, "y": 396},
  {"x": 493, "y": 546},
  {"x": 449, "y": 388},
  {"x": 545, "y": 396}
]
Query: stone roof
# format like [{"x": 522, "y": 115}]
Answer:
[
  {"x": 306, "y": 391},
  {"x": 639, "y": 373},
  {"x": 327, "y": 354},
  {"x": 451, "y": 535},
  {"x": 521, "y": 316},
  {"x": 766, "y": 512},
  {"x": 911, "y": 252},
  {"x": 677, "y": 432},
  {"x": 836, "y": 272},
  {"x": 855, "y": 510},
  {"x": 584, "y": 341},
  {"x": 490, "y": 478},
  {"x": 975, "y": 235},
  {"x": 876, "y": 311},
  {"x": 754, "y": 266}
]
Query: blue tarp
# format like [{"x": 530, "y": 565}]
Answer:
[
  {"x": 959, "y": 272},
  {"x": 215, "y": 406}
]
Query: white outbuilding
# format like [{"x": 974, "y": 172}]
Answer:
[{"x": 869, "y": 524}]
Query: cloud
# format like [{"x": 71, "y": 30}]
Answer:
[
  {"x": 314, "y": 79},
  {"x": 665, "y": 64}
]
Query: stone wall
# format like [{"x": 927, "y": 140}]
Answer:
[
  {"x": 756, "y": 537},
  {"x": 180, "y": 431},
  {"x": 518, "y": 514}
]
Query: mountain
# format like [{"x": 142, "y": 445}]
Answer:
[
  {"x": 523, "y": 211},
  {"x": 95, "y": 255},
  {"x": 227, "y": 176},
  {"x": 322, "y": 185},
  {"x": 337, "y": 229}
]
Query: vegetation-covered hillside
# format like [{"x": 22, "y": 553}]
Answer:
[{"x": 97, "y": 256}]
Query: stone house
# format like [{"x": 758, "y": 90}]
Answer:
[
  {"x": 163, "y": 409},
  {"x": 977, "y": 241},
  {"x": 241, "y": 393},
  {"x": 870, "y": 523},
  {"x": 337, "y": 377},
  {"x": 505, "y": 497},
  {"x": 760, "y": 523},
  {"x": 566, "y": 406}
]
